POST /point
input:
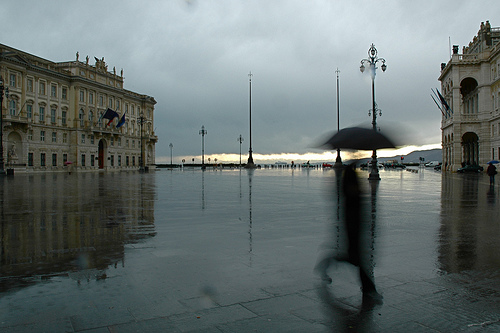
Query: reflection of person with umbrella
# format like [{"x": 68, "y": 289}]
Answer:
[
  {"x": 362, "y": 139},
  {"x": 492, "y": 171}
]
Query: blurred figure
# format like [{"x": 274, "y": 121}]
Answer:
[
  {"x": 491, "y": 171},
  {"x": 353, "y": 224}
]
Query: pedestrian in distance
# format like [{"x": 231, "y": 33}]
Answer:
[{"x": 491, "y": 171}]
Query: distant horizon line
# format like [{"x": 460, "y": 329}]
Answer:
[{"x": 327, "y": 156}]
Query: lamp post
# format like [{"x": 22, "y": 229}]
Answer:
[
  {"x": 372, "y": 61},
  {"x": 2, "y": 169},
  {"x": 141, "y": 164},
  {"x": 203, "y": 132},
  {"x": 338, "y": 161},
  {"x": 171, "y": 147},
  {"x": 250, "y": 164},
  {"x": 240, "y": 140}
]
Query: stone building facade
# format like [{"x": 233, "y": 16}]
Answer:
[
  {"x": 52, "y": 116},
  {"x": 470, "y": 85}
]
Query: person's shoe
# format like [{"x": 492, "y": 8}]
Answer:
[{"x": 373, "y": 296}]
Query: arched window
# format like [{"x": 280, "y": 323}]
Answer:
[{"x": 91, "y": 116}]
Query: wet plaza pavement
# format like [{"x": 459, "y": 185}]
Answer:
[{"x": 235, "y": 250}]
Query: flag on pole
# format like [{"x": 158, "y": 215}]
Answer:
[
  {"x": 121, "y": 122},
  {"x": 109, "y": 114}
]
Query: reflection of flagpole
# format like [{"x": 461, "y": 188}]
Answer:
[{"x": 250, "y": 248}]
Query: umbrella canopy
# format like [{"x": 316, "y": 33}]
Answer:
[
  {"x": 493, "y": 162},
  {"x": 68, "y": 162},
  {"x": 359, "y": 138}
]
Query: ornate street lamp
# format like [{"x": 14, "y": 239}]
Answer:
[
  {"x": 141, "y": 121},
  {"x": 203, "y": 132},
  {"x": 171, "y": 147},
  {"x": 240, "y": 140},
  {"x": 372, "y": 61},
  {"x": 2, "y": 169}
]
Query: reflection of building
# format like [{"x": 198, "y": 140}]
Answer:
[
  {"x": 52, "y": 115},
  {"x": 56, "y": 223},
  {"x": 468, "y": 234},
  {"x": 470, "y": 84}
]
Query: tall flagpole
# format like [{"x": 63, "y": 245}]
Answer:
[
  {"x": 338, "y": 161},
  {"x": 250, "y": 163}
]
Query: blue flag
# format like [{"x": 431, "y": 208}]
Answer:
[{"x": 121, "y": 122}]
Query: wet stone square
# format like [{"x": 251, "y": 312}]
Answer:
[{"x": 235, "y": 251}]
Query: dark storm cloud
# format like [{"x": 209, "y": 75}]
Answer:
[{"x": 194, "y": 58}]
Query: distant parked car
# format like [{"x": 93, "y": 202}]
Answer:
[
  {"x": 470, "y": 168},
  {"x": 437, "y": 167},
  {"x": 432, "y": 164}
]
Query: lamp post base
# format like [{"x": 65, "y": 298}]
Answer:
[
  {"x": 338, "y": 161},
  {"x": 374, "y": 175},
  {"x": 250, "y": 164}
]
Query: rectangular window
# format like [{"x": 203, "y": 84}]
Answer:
[
  {"x": 30, "y": 134},
  {"x": 101, "y": 100},
  {"x": 64, "y": 93},
  {"x": 92, "y": 160},
  {"x": 83, "y": 138},
  {"x": 92, "y": 139},
  {"x": 91, "y": 98},
  {"x": 13, "y": 80},
  {"x": 65, "y": 158},
  {"x": 110, "y": 104},
  {"x": 63, "y": 117},
  {"x": 53, "y": 116},
  {"x": 42, "y": 88},
  {"x": 65, "y": 137},
  {"x": 127, "y": 160},
  {"x": 83, "y": 159},
  {"x": 12, "y": 107},
  {"x": 29, "y": 86},
  {"x": 30, "y": 159},
  {"x": 42, "y": 136},
  {"x": 117, "y": 104},
  {"x": 119, "y": 160},
  {"x": 133, "y": 160},
  {"x": 42, "y": 159},
  {"x": 82, "y": 96},
  {"x": 29, "y": 111},
  {"x": 53, "y": 90},
  {"x": 54, "y": 137},
  {"x": 112, "y": 160},
  {"x": 112, "y": 141},
  {"x": 54, "y": 159},
  {"x": 42, "y": 114}
]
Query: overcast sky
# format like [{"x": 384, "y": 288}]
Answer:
[{"x": 194, "y": 58}]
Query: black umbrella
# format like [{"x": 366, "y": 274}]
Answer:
[{"x": 358, "y": 138}]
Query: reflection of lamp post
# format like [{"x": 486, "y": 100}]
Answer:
[
  {"x": 250, "y": 164},
  {"x": 141, "y": 164},
  {"x": 171, "y": 147},
  {"x": 372, "y": 61},
  {"x": 2, "y": 170},
  {"x": 203, "y": 132},
  {"x": 240, "y": 140}
]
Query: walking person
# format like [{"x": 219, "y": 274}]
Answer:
[
  {"x": 353, "y": 223},
  {"x": 491, "y": 171}
]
